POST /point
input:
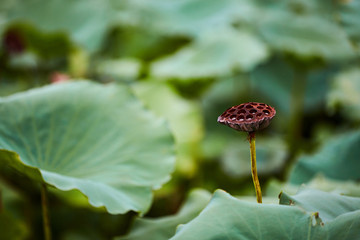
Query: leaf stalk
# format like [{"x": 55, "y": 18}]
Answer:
[{"x": 45, "y": 212}]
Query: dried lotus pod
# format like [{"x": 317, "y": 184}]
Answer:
[{"x": 248, "y": 117}]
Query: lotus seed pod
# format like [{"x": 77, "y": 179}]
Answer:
[{"x": 248, "y": 117}]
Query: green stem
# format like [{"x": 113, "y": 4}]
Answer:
[
  {"x": 297, "y": 113},
  {"x": 45, "y": 212},
  {"x": 253, "y": 167},
  {"x": 294, "y": 136},
  {"x": 1, "y": 202}
]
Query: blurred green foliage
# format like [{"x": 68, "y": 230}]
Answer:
[{"x": 185, "y": 62}]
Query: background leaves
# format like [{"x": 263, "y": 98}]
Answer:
[
  {"x": 213, "y": 54},
  {"x": 344, "y": 93},
  {"x": 337, "y": 159},
  {"x": 301, "y": 36},
  {"x": 84, "y": 21}
]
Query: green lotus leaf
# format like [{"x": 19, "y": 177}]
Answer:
[
  {"x": 164, "y": 228},
  {"x": 270, "y": 156},
  {"x": 140, "y": 43},
  {"x": 213, "y": 54},
  {"x": 278, "y": 76},
  {"x": 345, "y": 93},
  {"x": 184, "y": 117},
  {"x": 95, "y": 138},
  {"x": 85, "y": 21},
  {"x": 190, "y": 17},
  {"x": 319, "y": 182},
  {"x": 306, "y": 36},
  {"x": 337, "y": 159},
  {"x": 120, "y": 69},
  {"x": 328, "y": 205},
  {"x": 349, "y": 16},
  {"x": 226, "y": 217}
]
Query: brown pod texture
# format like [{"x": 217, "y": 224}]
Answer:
[{"x": 248, "y": 117}]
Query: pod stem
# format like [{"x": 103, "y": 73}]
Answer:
[
  {"x": 253, "y": 167},
  {"x": 45, "y": 212}
]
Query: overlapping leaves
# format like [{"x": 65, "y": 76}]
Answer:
[
  {"x": 226, "y": 217},
  {"x": 345, "y": 93},
  {"x": 164, "y": 228},
  {"x": 85, "y": 22},
  {"x": 337, "y": 159},
  {"x": 214, "y": 54},
  {"x": 184, "y": 117}
]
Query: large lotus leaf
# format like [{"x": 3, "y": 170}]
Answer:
[
  {"x": 328, "y": 205},
  {"x": 184, "y": 117},
  {"x": 226, "y": 217},
  {"x": 270, "y": 156},
  {"x": 85, "y": 21},
  {"x": 164, "y": 227},
  {"x": 91, "y": 137},
  {"x": 338, "y": 159},
  {"x": 306, "y": 36},
  {"x": 215, "y": 53},
  {"x": 345, "y": 93}
]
